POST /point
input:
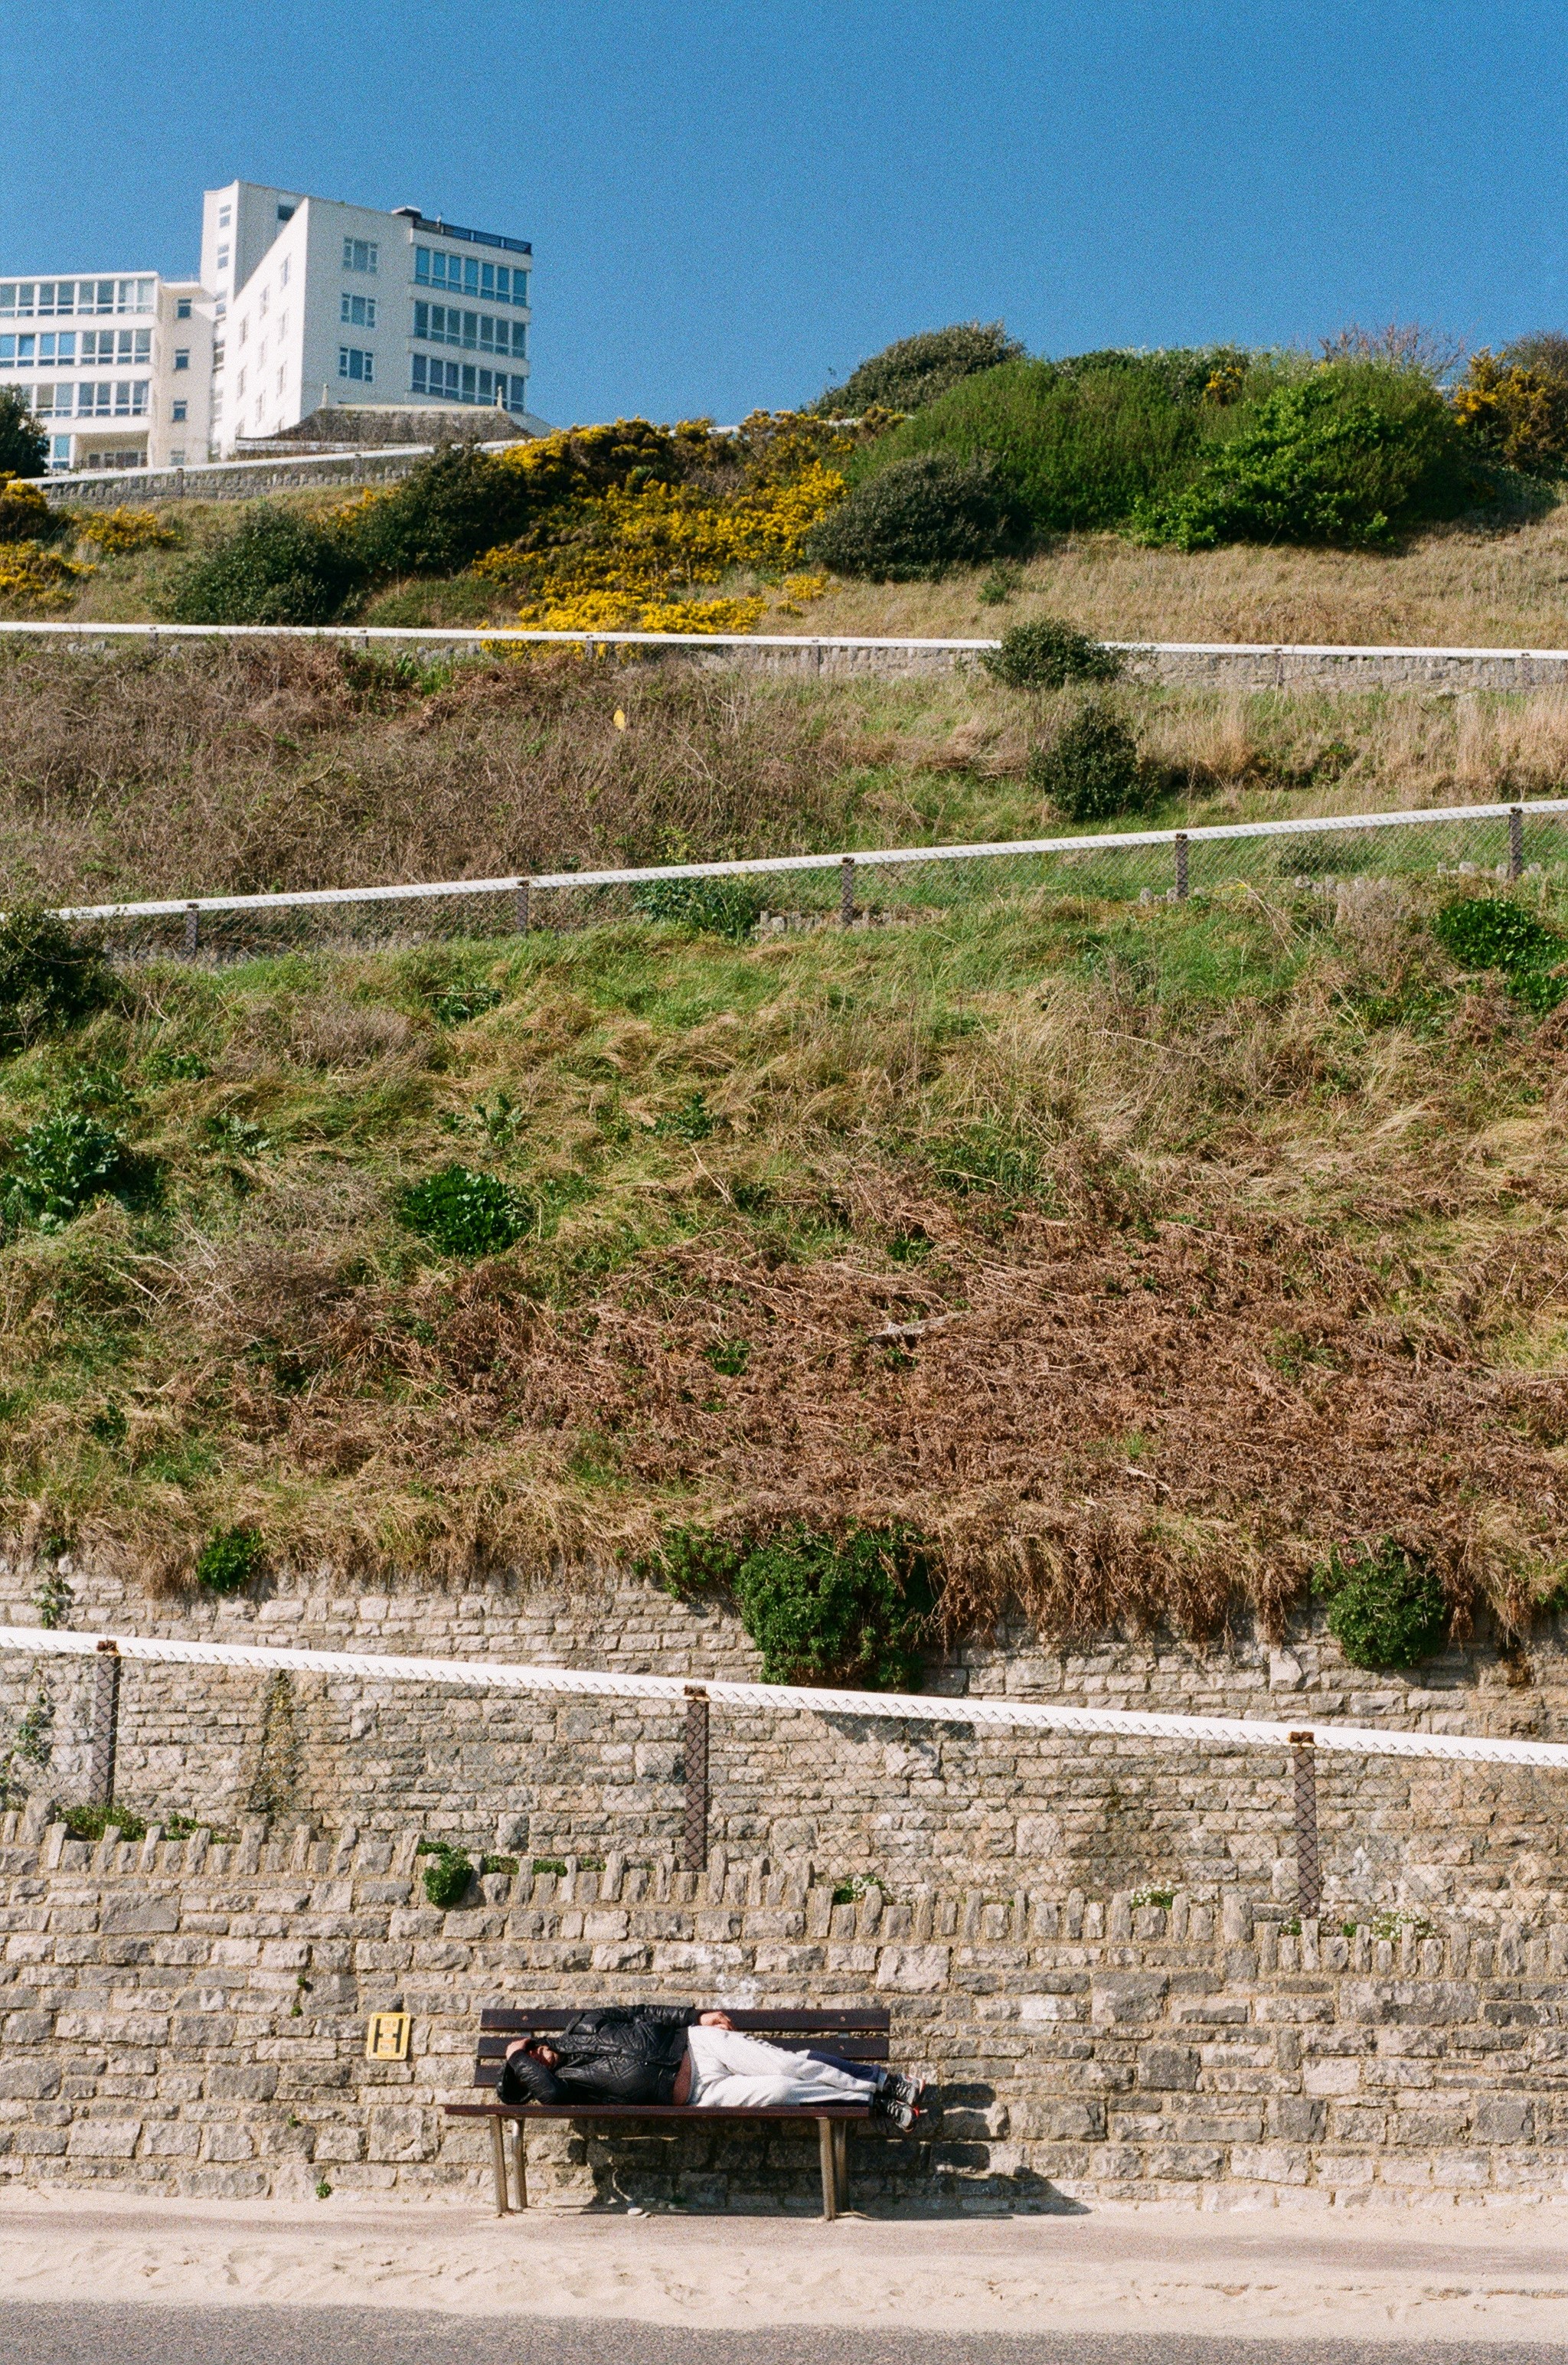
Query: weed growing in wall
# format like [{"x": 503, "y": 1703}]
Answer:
[
  {"x": 230, "y": 1559},
  {"x": 448, "y": 1879},
  {"x": 850, "y": 1609},
  {"x": 1387, "y": 1605}
]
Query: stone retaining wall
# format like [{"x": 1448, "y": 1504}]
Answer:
[
  {"x": 190, "y": 2017},
  {"x": 557, "y": 1776}
]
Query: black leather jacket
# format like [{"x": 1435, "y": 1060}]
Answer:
[{"x": 619, "y": 2054}]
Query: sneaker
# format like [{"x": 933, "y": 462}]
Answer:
[
  {"x": 894, "y": 2087},
  {"x": 904, "y": 2115}
]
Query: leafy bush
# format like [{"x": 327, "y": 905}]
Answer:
[
  {"x": 1046, "y": 653},
  {"x": 446, "y": 511},
  {"x": 914, "y": 521},
  {"x": 50, "y": 976},
  {"x": 23, "y": 446},
  {"x": 1089, "y": 770},
  {"x": 85, "y": 1822},
  {"x": 1070, "y": 445},
  {"x": 273, "y": 568},
  {"x": 1346, "y": 455},
  {"x": 61, "y": 1164},
  {"x": 230, "y": 1559},
  {"x": 718, "y": 907},
  {"x": 847, "y": 1609},
  {"x": 1386, "y": 1608},
  {"x": 464, "y": 1213},
  {"x": 1491, "y": 932},
  {"x": 915, "y": 371},
  {"x": 447, "y": 1880}
]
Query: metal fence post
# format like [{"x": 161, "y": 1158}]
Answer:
[
  {"x": 846, "y": 891},
  {"x": 1516, "y": 841},
  {"x": 522, "y": 899},
  {"x": 193, "y": 928},
  {"x": 1180, "y": 866},
  {"x": 105, "y": 1725},
  {"x": 694, "y": 1829},
  {"x": 1308, "y": 1871}
]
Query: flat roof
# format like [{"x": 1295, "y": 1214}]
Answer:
[{"x": 440, "y": 229}]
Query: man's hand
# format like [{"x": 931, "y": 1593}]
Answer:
[{"x": 714, "y": 2020}]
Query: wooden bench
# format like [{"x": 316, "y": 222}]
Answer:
[{"x": 854, "y": 2035}]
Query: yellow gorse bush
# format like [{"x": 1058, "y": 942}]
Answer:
[
  {"x": 38, "y": 577},
  {"x": 124, "y": 529},
  {"x": 640, "y": 516}
]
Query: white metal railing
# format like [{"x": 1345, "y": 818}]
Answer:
[
  {"x": 860, "y": 858},
  {"x": 925, "y": 1708},
  {"x": 479, "y": 637}
]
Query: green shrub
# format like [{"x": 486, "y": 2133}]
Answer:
[
  {"x": 1089, "y": 770},
  {"x": 448, "y": 1880},
  {"x": 915, "y": 371},
  {"x": 230, "y": 1559},
  {"x": 62, "y": 1163},
  {"x": 1386, "y": 1608},
  {"x": 465, "y": 1214},
  {"x": 51, "y": 978},
  {"x": 914, "y": 521},
  {"x": 23, "y": 446},
  {"x": 1046, "y": 653},
  {"x": 1347, "y": 454},
  {"x": 273, "y": 568},
  {"x": 850, "y": 1610},
  {"x": 1069, "y": 445},
  {"x": 446, "y": 511},
  {"x": 718, "y": 907},
  {"x": 1491, "y": 932}
]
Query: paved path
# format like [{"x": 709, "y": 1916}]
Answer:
[{"x": 338, "y": 2336}]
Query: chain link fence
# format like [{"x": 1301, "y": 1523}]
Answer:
[{"x": 869, "y": 887}]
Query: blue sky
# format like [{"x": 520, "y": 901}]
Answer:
[{"x": 732, "y": 205}]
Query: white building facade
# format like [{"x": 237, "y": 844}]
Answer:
[{"x": 301, "y": 303}]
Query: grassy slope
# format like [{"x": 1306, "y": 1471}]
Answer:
[
  {"x": 1458, "y": 586},
  {"x": 206, "y": 772},
  {"x": 1238, "y": 1233}
]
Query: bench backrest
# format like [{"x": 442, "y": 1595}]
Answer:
[{"x": 858, "y": 2033}]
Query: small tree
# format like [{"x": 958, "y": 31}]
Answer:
[
  {"x": 23, "y": 446},
  {"x": 1089, "y": 771}
]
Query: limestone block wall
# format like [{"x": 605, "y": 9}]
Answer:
[
  {"x": 556, "y": 1777},
  {"x": 190, "y": 2017}
]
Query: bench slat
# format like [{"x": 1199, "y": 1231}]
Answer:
[
  {"x": 489, "y": 2073},
  {"x": 805, "y": 2112},
  {"x": 847, "y": 2049},
  {"x": 871, "y": 2020}
]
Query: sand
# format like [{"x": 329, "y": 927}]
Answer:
[{"x": 1492, "y": 2273}]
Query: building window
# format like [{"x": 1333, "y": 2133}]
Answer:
[
  {"x": 182, "y": 309},
  {"x": 360, "y": 310},
  {"x": 245, "y": 336},
  {"x": 128, "y": 347},
  {"x": 177, "y": 459},
  {"x": 28, "y": 299},
  {"x": 280, "y": 375},
  {"x": 178, "y": 413},
  {"x": 240, "y": 386},
  {"x": 286, "y": 213},
  {"x": 182, "y": 357},
  {"x": 444, "y": 324},
  {"x": 223, "y": 258},
  {"x": 360, "y": 254},
  {"x": 283, "y": 274},
  {"x": 263, "y": 301},
  {"x": 463, "y": 274},
  {"x": 463, "y": 382},
  {"x": 222, "y": 217},
  {"x": 352, "y": 362}
]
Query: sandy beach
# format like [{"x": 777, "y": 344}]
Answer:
[{"x": 1487, "y": 2273}]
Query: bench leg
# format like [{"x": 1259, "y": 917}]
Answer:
[
  {"x": 521, "y": 2125},
  {"x": 829, "y": 2168},
  {"x": 498, "y": 2163},
  {"x": 841, "y": 2148}
]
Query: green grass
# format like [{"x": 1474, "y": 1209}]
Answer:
[{"x": 1271, "y": 1118}]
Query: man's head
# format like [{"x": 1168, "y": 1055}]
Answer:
[{"x": 537, "y": 2049}]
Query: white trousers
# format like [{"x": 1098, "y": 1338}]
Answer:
[{"x": 731, "y": 2072}]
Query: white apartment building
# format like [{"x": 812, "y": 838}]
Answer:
[{"x": 301, "y": 303}]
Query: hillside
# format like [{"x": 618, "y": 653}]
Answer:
[{"x": 1126, "y": 1260}]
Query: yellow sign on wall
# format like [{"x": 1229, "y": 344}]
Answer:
[{"x": 387, "y": 2037}]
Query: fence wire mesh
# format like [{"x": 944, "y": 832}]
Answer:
[{"x": 869, "y": 887}]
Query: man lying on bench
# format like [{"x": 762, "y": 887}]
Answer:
[{"x": 672, "y": 2053}]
